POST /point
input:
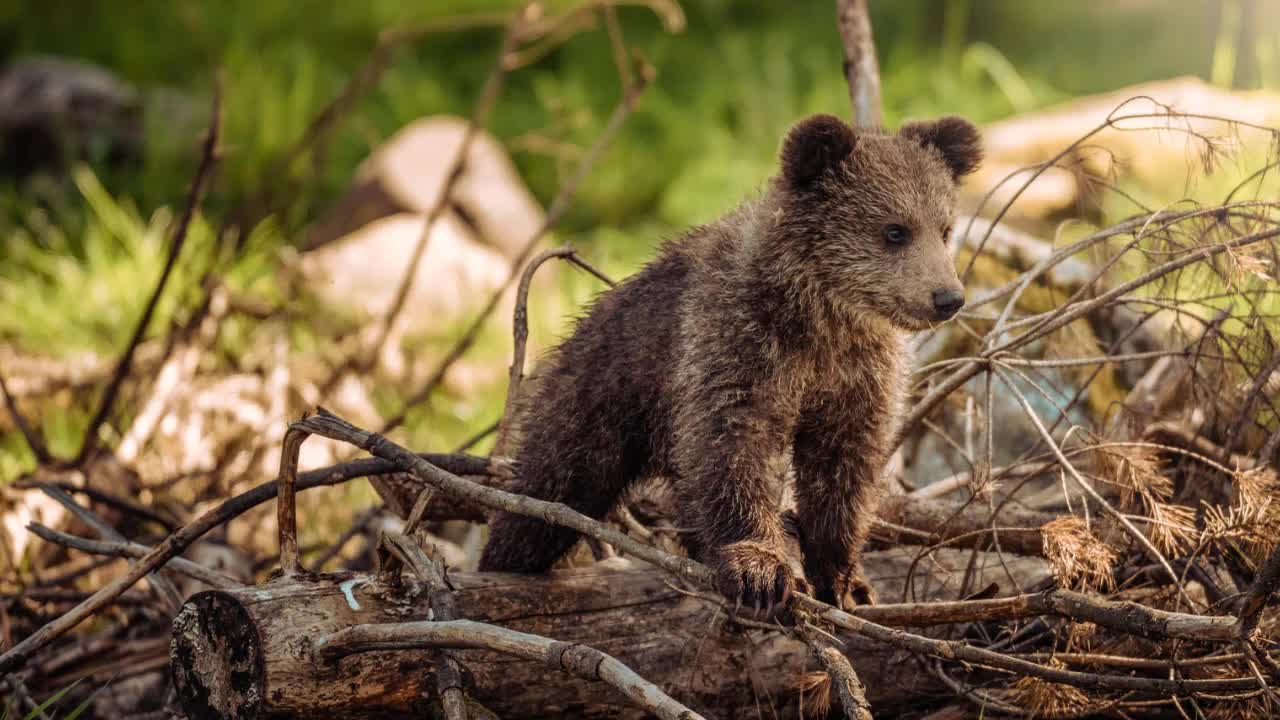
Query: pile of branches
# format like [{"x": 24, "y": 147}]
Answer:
[{"x": 1120, "y": 567}]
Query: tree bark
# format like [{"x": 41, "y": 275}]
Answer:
[{"x": 248, "y": 653}]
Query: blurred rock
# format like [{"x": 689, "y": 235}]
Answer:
[
  {"x": 358, "y": 253},
  {"x": 363, "y": 272},
  {"x": 57, "y": 111},
  {"x": 407, "y": 173}
]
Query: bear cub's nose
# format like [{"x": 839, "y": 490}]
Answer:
[{"x": 947, "y": 302}]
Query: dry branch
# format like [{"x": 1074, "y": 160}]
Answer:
[
  {"x": 853, "y": 696},
  {"x": 581, "y": 660},
  {"x": 520, "y": 340},
  {"x": 34, "y": 439},
  {"x": 403, "y": 552},
  {"x": 126, "y": 549},
  {"x": 861, "y": 70},
  {"x": 208, "y": 156},
  {"x": 479, "y": 119}
]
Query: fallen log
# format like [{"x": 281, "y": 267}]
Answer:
[{"x": 251, "y": 652}]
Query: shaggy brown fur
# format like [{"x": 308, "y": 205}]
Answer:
[{"x": 780, "y": 327}]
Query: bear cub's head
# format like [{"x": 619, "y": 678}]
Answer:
[{"x": 872, "y": 212}]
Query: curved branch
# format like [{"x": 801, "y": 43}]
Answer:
[{"x": 578, "y": 659}]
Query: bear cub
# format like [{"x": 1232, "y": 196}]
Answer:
[{"x": 782, "y": 327}]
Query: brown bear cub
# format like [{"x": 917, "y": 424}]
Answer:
[{"x": 781, "y": 326}]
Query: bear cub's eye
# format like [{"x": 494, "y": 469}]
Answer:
[{"x": 896, "y": 234}]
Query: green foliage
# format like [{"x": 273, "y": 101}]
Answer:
[{"x": 67, "y": 293}]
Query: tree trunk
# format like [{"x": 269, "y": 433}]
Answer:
[{"x": 248, "y": 653}]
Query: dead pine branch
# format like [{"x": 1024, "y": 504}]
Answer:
[{"x": 1084, "y": 485}]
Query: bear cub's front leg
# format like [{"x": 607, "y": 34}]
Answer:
[{"x": 728, "y": 435}]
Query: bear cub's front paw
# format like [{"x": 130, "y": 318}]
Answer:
[
  {"x": 756, "y": 575},
  {"x": 845, "y": 589}
]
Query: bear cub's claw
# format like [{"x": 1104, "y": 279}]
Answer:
[
  {"x": 756, "y": 576},
  {"x": 848, "y": 590}
]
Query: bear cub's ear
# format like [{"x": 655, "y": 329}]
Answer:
[
  {"x": 814, "y": 145},
  {"x": 956, "y": 138}
]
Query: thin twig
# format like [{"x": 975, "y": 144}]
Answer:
[
  {"x": 208, "y": 157},
  {"x": 98, "y": 495},
  {"x": 1061, "y": 318},
  {"x": 286, "y": 505},
  {"x": 359, "y": 525},
  {"x": 126, "y": 549},
  {"x": 34, "y": 439},
  {"x": 164, "y": 589},
  {"x": 479, "y": 120},
  {"x": 520, "y": 339},
  {"x": 443, "y": 607},
  {"x": 1084, "y": 485}
]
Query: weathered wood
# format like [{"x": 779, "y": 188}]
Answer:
[{"x": 248, "y": 653}]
